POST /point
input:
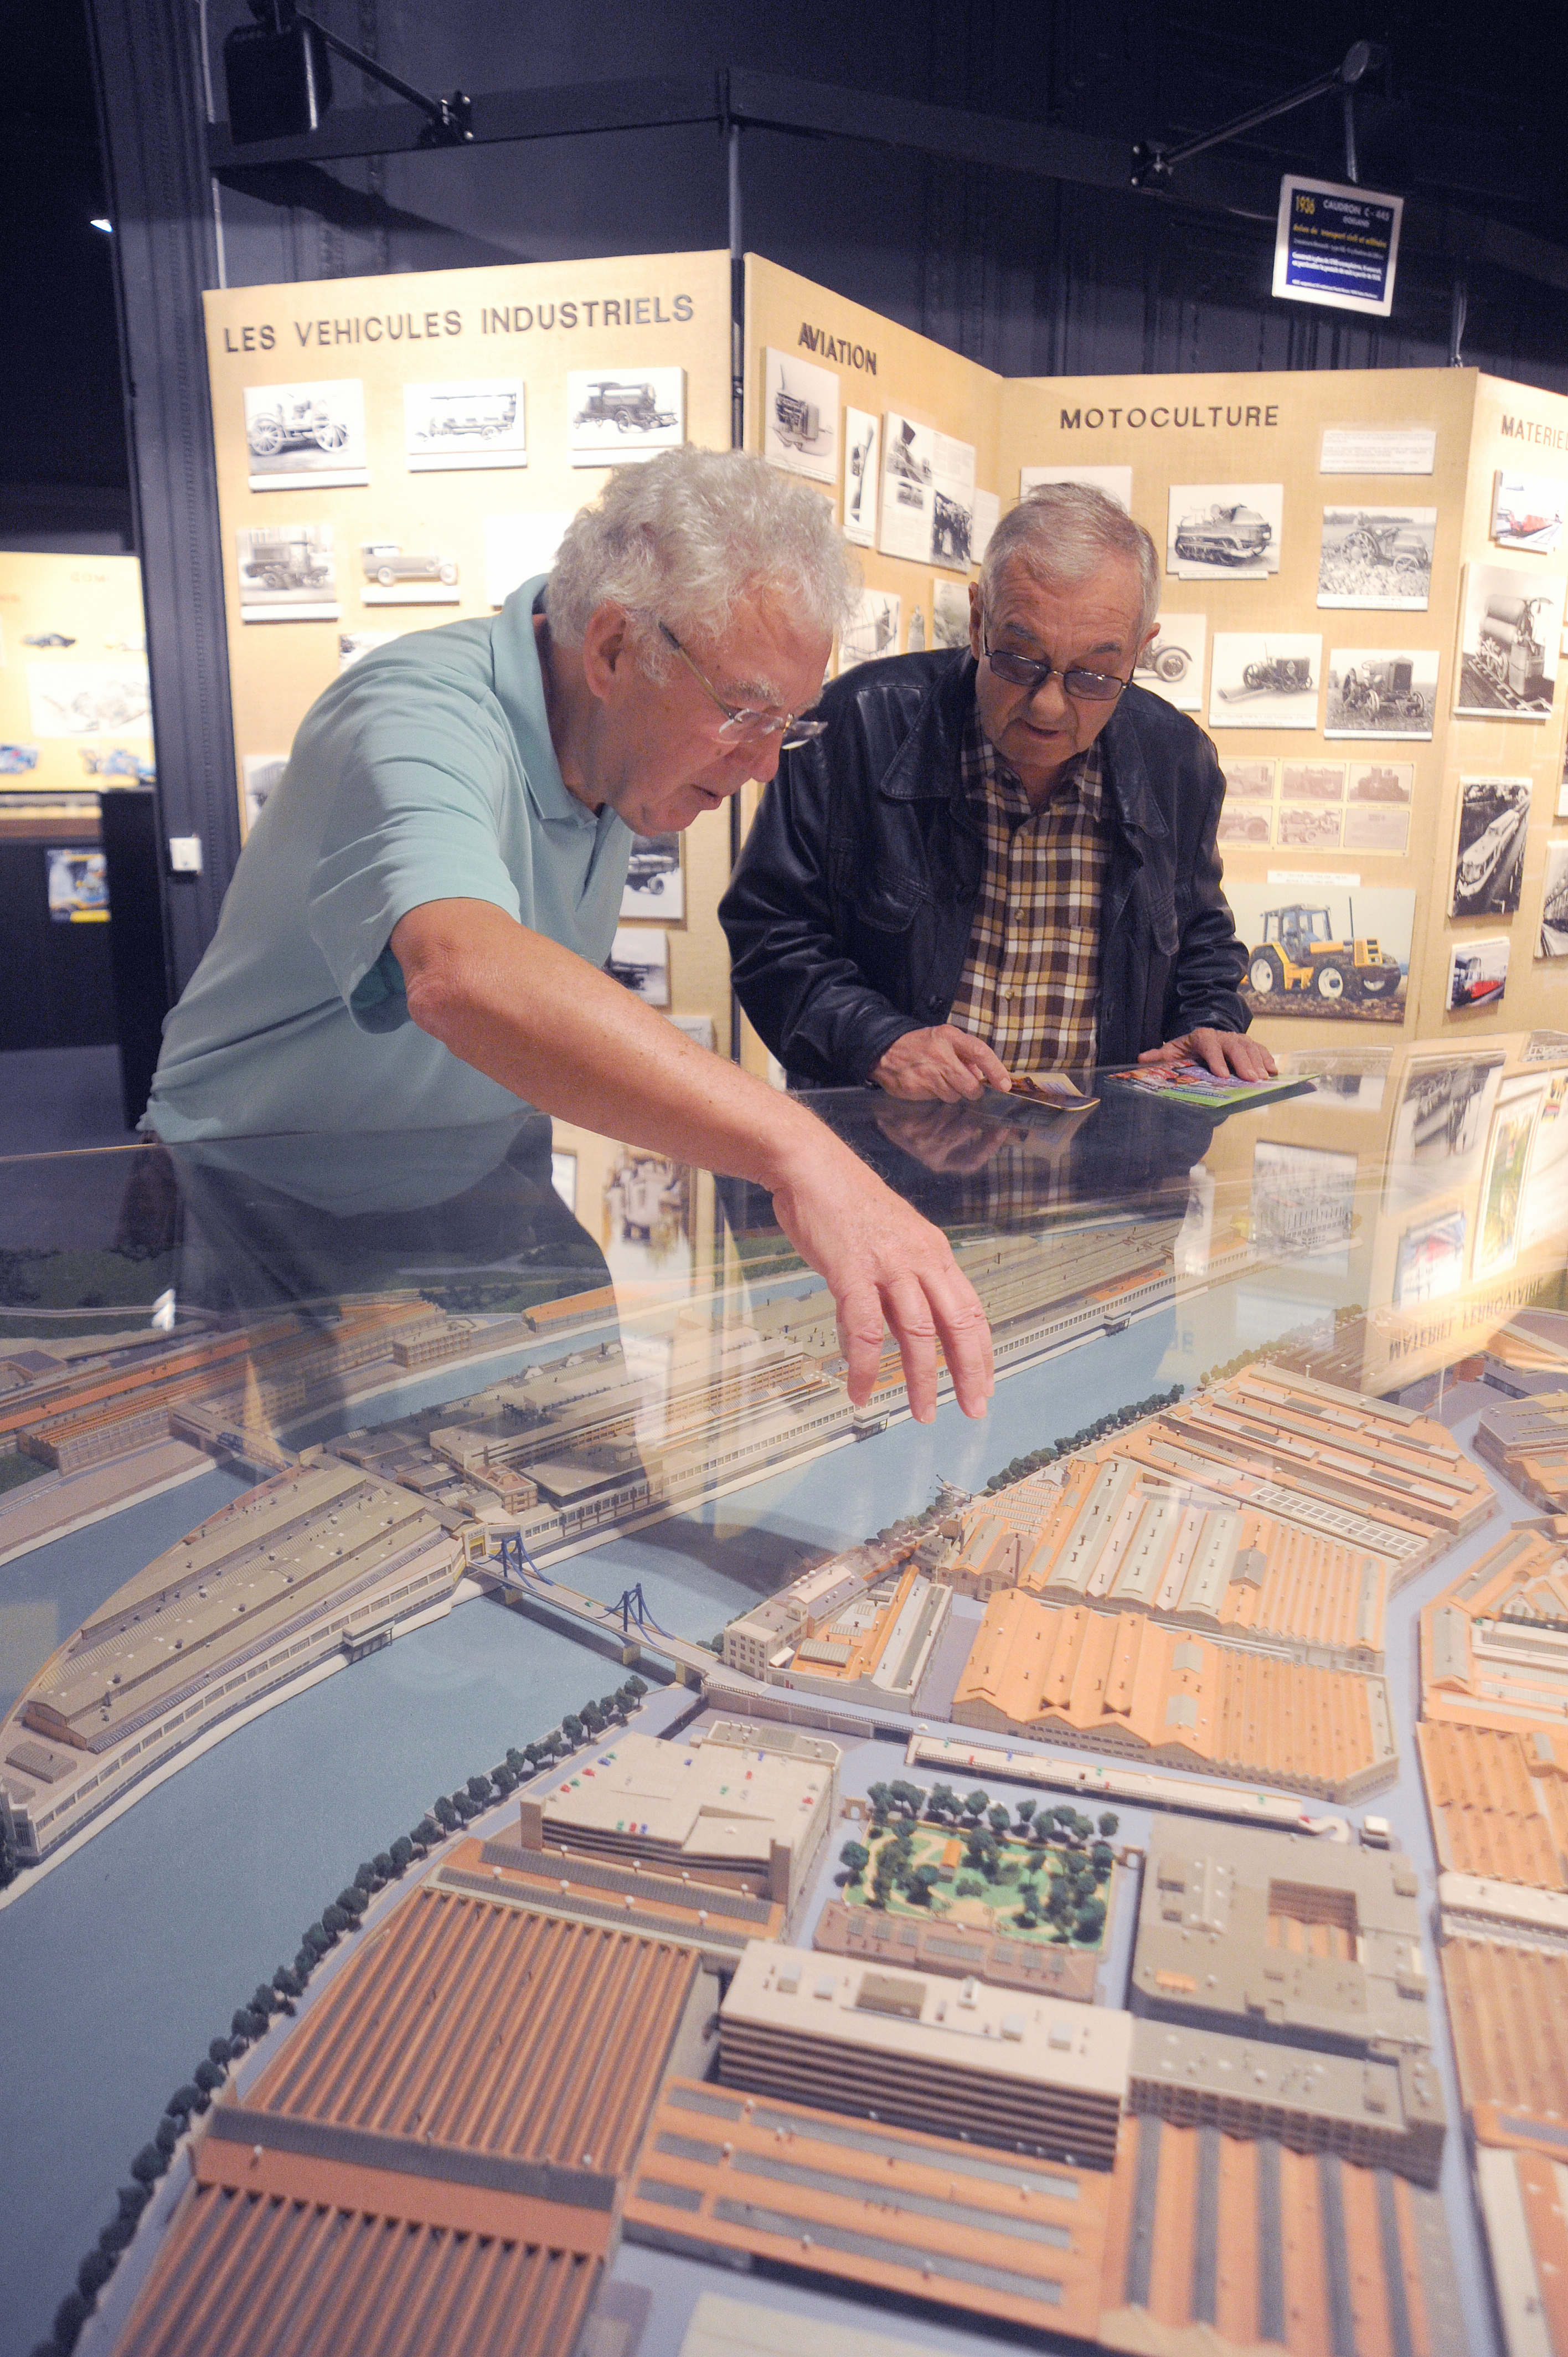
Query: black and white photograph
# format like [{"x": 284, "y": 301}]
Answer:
[
  {"x": 1172, "y": 663},
  {"x": 391, "y": 573},
  {"x": 801, "y": 417},
  {"x": 952, "y": 504},
  {"x": 1303, "y": 1201},
  {"x": 1440, "y": 1129},
  {"x": 909, "y": 487},
  {"x": 655, "y": 884},
  {"x": 616, "y": 415},
  {"x": 456, "y": 425},
  {"x": 90, "y": 699},
  {"x": 1382, "y": 781},
  {"x": 915, "y": 636},
  {"x": 1305, "y": 828},
  {"x": 1312, "y": 782},
  {"x": 1376, "y": 557},
  {"x": 1264, "y": 681},
  {"x": 306, "y": 433},
  {"x": 1220, "y": 532},
  {"x": 288, "y": 573},
  {"x": 1245, "y": 823},
  {"x": 950, "y": 613},
  {"x": 1116, "y": 482},
  {"x": 1489, "y": 853},
  {"x": 861, "y": 474},
  {"x": 872, "y": 630},
  {"x": 518, "y": 548},
  {"x": 1508, "y": 643},
  {"x": 640, "y": 956},
  {"x": 354, "y": 645},
  {"x": 1381, "y": 691},
  {"x": 1478, "y": 974},
  {"x": 1430, "y": 1260},
  {"x": 1553, "y": 942},
  {"x": 1250, "y": 778},
  {"x": 260, "y": 773},
  {"x": 1369, "y": 826},
  {"x": 1527, "y": 511}
]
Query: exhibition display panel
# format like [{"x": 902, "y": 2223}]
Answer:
[{"x": 516, "y": 1799}]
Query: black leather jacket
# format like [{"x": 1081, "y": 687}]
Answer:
[{"x": 849, "y": 912}]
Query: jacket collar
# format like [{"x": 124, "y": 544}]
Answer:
[{"x": 927, "y": 765}]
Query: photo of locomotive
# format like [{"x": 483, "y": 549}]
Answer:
[
  {"x": 1488, "y": 865},
  {"x": 1477, "y": 976},
  {"x": 1553, "y": 942},
  {"x": 1223, "y": 535}
]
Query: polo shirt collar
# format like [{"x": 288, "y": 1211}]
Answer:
[{"x": 520, "y": 691}]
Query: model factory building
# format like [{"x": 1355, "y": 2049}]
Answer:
[
  {"x": 744, "y": 1807},
  {"x": 1281, "y": 1991}
]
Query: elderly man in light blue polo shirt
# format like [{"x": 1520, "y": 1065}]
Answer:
[{"x": 415, "y": 934}]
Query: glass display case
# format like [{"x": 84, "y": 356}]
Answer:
[{"x": 1099, "y": 1872}]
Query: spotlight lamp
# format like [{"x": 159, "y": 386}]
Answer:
[{"x": 279, "y": 73}]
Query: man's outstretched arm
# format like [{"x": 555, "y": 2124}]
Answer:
[{"x": 565, "y": 1038}]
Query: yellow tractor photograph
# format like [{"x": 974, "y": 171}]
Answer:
[{"x": 1299, "y": 951}]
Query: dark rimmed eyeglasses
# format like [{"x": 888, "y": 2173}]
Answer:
[
  {"x": 741, "y": 721},
  {"x": 1018, "y": 671}
]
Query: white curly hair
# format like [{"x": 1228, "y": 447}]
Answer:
[{"x": 683, "y": 538}]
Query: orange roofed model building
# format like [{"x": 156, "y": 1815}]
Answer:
[{"x": 1121, "y": 1683}]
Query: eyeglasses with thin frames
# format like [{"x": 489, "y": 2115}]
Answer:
[
  {"x": 741, "y": 721},
  {"x": 1019, "y": 671}
]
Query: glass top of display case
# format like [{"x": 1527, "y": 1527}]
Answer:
[{"x": 1082, "y": 1767}]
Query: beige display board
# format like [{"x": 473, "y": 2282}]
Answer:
[
  {"x": 75, "y": 713},
  {"x": 1380, "y": 489},
  {"x": 441, "y": 427}
]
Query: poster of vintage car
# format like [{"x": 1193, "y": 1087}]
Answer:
[
  {"x": 1478, "y": 974},
  {"x": 463, "y": 422},
  {"x": 1381, "y": 691},
  {"x": 625, "y": 414},
  {"x": 1553, "y": 941},
  {"x": 518, "y": 548},
  {"x": 417, "y": 571},
  {"x": 1527, "y": 511},
  {"x": 655, "y": 884},
  {"x": 801, "y": 417},
  {"x": 872, "y": 630},
  {"x": 1441, "y": 1126},
  {"x": 1376, "y": 557},
  {"x": 288, "y": 573},
  {"x": 1219, "y": 532},
  {"x": 88, "y": 699},
  {"x": 1509, "y": 643},
  {"x": 950, "y": 613},
  {"x": 861, "y": 474},
  {"x": 1172, "y": 663},
  {"x": 306, "y": 434},
  {"x": 1489, "y": 853},
  {"x": 1326, "y": 948},
  {"x": 1503, "y": 1188},
  {"x": 1258, "y": 681},
  {"x": 1116, "y": 482}
]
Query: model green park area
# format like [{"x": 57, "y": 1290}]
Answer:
[{"x": 1039, "y": 1871}]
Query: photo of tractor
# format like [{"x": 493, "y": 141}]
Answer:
[
  {"x": 1223, "y": 535},
  {"x": 1376, "y": 557},
  {"x": 1301, "y": 958},
  {"x": 1378, "y": 692}
]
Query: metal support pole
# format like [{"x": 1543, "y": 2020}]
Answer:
[{"x": 1352, "y": 169}]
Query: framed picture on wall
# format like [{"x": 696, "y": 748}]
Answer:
[
  {"x": 626, "y": 412},
  {"x": 1171, "y": 664},
  {"x": 288, "y": 573},
  {"x": 862, "y": 476},
  {"x": 464, "y": 423},
  {"x": 1259, "y": 681},
  {"x": 1553, "y": 941},
  {"x": 1478, "y": 974},
  {"x": 872, "y": 631},
  {"x": 1224, "y": 531},
  {"x": 1508, "y": 643},
  {"x": 640, "y": 957},
  {"x": 655, "y": 881},
  {"x": 1376, "y": 557},
  {"x": 801, "y": 417},
  {"x": 311, "y": 433},
  {"x": 1489, "y": 851},
  {"x": 1333, "y": 950},
  {"x": 1528, "y": 510},
  {"x": 1381, "y": 691},
  {"x": 950, "y": 613}
]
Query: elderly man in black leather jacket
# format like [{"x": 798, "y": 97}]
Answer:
[{"x": 1003, "y": 857}]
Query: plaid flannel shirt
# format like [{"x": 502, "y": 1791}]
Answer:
[{"x": 1031, "y": 980}]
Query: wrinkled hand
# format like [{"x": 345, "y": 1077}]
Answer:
[
  {"x": 947, "y": 1139},
  {"x": 1223, "y": 1051},
  {"x": 944, "y": 1063},
  {"x": 882, "y": 1262}
]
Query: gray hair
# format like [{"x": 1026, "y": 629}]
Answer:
[
  {"x": 1060, "y": 533},
  {"x": 683, "y": 538}
]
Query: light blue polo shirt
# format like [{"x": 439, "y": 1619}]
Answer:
[{"x": 426, "y": 773}]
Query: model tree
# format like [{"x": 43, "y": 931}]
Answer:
[{"x": 856, "y": 1858}]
